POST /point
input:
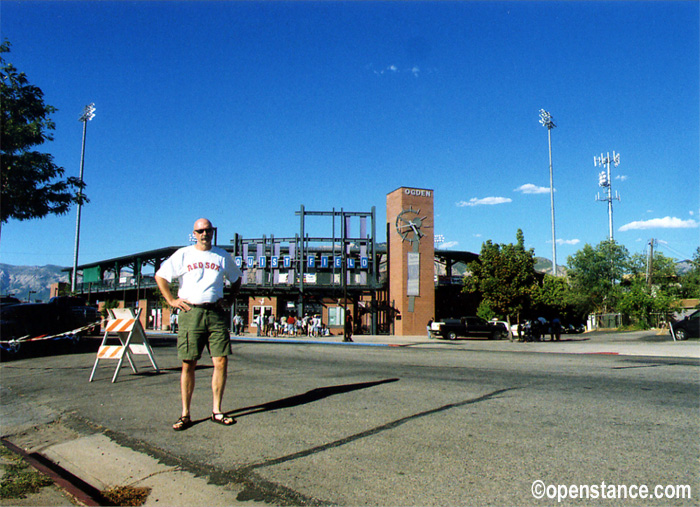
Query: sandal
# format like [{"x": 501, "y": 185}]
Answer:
[
  {"x": 183, "y": 423},
  {"x": 222, "y": 419}
]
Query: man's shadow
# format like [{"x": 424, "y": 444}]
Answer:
[{"x": 308, "y": 397}]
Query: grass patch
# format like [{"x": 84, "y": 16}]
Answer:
[{"x": 19, "y": 479}]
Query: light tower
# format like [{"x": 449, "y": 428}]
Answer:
[
  {"x": 546, "y": 121},
  {"x": 605, "y": 181},
  {"x": 88, "y": 114}
]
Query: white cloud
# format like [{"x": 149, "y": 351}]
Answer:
[
  {"x": 393, "y": 69},
  {"x": 660, "y": 223},
  {"x": 568, "y": 241},
  {"x": 484, "y": 201},
  {"x": 448, "y": 244},
  {"x": 529, "y": 188},
  {"x": 621, "y": 177}
]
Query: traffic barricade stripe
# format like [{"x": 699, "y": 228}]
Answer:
[
  {"x": 132, "y": 337},
  {"x": 120, "y": 325}
]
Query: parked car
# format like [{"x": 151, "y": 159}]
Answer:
[
  {"x": 688, "y": 327},
  {"x": 502, "y": 324},
  {"x": 75, "y": 312},
  {"x": 45, "y": 319},
  {"x": 577, "y": 328},
  {"x": 451, "y": 329},
  {"x": 8, "y": 300}
]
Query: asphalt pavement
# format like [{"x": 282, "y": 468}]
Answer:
[{"x": 85, "y": 458}]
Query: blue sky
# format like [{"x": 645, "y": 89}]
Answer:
[{"x": 244, "y": 111}]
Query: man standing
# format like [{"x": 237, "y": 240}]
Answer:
[
  {"x": 200, "y": 270},
  {"x": 349, "y": 324}
]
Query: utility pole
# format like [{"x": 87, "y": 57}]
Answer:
[
  {"x": 650, "y": 261},
  {"x": 605, "y": 181}
]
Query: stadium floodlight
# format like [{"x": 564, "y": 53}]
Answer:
[
  {"x": 546, "y": 121},
  {"x": 88, "y": 114}
]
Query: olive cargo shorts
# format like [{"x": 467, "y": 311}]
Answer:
[{"x": 199, "y": 328}]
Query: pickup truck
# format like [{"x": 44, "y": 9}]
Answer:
[
  {"x": 451, "y": 329},
  {"x": 59, "y": 315}
]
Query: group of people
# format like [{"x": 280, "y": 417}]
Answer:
[
  {"x": 536, "y": 330},
  {"x": 289, "y": 325}
]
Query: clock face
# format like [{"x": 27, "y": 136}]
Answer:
[{"x": 409, "y": 223}]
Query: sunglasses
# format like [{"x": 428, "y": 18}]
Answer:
[{"x": 202, "y": 231}]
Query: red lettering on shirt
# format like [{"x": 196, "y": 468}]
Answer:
[{"x": 203, "y": 265}]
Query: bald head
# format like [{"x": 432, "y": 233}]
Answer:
[
  {"x": 204, "y": 233},
  {"x": 202, "y": 223}
]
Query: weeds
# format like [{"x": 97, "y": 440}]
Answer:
[
  {"x": 19, "y": 479},
  {"x": 126, "y": 495}
]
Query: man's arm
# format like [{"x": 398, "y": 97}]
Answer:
[
  {"x": 228, "y": 302},
  {"x": 164, "y": 287}
]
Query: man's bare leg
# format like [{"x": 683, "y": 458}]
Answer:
[
  {"x": 187, "y": 385},
  {"x": 218, "y": 381},
  {"x": 218, "y": 384},
  {"x": 186, "y": 390}
]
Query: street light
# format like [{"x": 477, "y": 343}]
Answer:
[
  {"x": 546, "y": 121},
  {"x": 88, "y": 114}
]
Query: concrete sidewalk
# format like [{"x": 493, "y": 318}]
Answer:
[{"x": 95, "y": 458}]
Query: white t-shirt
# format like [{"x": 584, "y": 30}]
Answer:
[{"x": 200, "y": 273}]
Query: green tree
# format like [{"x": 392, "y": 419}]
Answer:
[
  {"x": 649, "y": 291},
  {"x": 29, "y": 180},
  {"x": 504, "y": 275},
  {"x": 643, "y": 302},
  {"x": 690, "y": 281},
  {"x": 595, "y": 274},
  {"x": 663, "y": 269}
]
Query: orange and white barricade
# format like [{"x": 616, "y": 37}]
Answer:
[{"x": 132, "y": 341}]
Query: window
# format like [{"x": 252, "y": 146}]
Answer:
[{"x": 336, "y": 316}]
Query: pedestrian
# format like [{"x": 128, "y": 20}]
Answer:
[
  {"x": 556, "y": 330},
  {"x": 173, "y": 321},
  {"x": 200, "y": 270},
  {"x": 283, "y": 325},
  {"x": 271, "y": 325},
  {"x": 348, "y": 328},
  {"x": 259, "y": 323},
  {"x": 237, "y": 324},
  {"x": 430, "y": 324}
]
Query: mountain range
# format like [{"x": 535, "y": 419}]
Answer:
[{"x": 19, "y": 281}]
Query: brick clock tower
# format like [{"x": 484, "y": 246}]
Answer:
[{"x": 409, "y": 215}]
